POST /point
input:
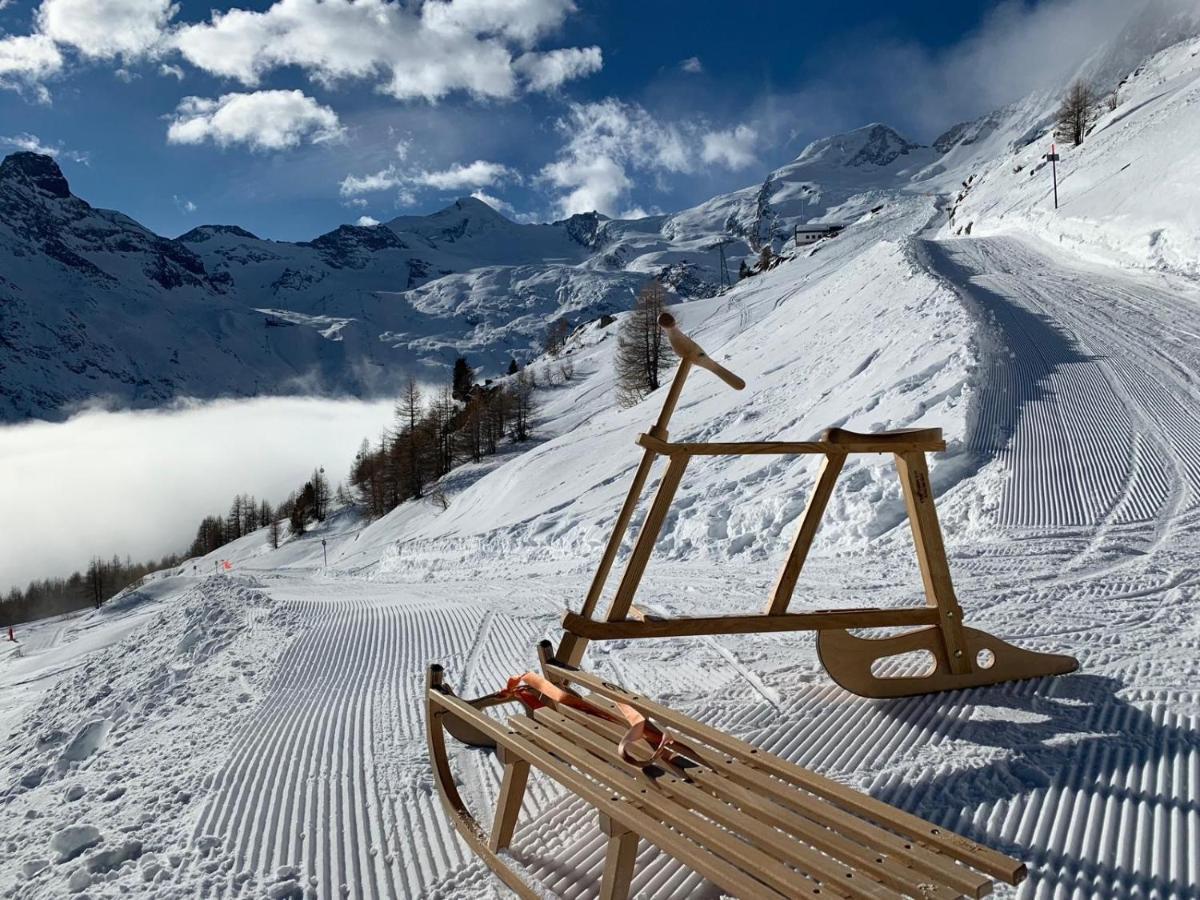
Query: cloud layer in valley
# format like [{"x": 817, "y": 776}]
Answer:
[{"x": 69, "y": 484}]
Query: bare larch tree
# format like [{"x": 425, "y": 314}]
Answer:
[
  {"x": 1076, "y": 114},
  {"x": 643, "y": 353}
]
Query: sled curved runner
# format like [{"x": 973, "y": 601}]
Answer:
[
  {"x": 956, "y": 650},
  {"x": 750, "y": 822},
  {"x": 851, "y": 662}
]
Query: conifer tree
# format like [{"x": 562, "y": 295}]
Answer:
[{"x": 463, "y": 379}]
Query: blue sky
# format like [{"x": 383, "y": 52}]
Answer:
[{"x": 290, "y": 117}]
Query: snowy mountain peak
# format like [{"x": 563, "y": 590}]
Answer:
[
  {"x": 465, "y": 217},
  {"x": 872, "y": 145},
  {"x": 203, "y": 233},
  {"x": 36, "y": 170}
]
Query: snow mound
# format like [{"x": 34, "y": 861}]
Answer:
[{"x": 172, "y": 692}]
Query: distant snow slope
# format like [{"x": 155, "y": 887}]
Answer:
[
  {"x": 1129, "y": 195},
  {"x": 93, "y": 307}
]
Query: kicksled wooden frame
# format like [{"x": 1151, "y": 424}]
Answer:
[
  {"x": 750, "y": 822},
  {"x": 963, "y": 657}
]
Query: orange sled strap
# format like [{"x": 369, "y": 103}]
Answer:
[{"x": 534, "y": 691}]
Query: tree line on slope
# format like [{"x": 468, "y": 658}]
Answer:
[
  {"x": 54, "y": 596},
  {"x": 463, "y": 422}
]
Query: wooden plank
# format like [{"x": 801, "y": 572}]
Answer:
[
  {"x": 619, "y": 857},
  {"x": 572, "y": 647},
  {"x": 508, "y": 806},
  {"x": 722, "y": 844},
  {"x": 781, "y": 595},
  {"x": 782, "y": 448},
  {"x": 833, "y": 871},
  {"x": 877, "y": 852},
  {"x": 755, "y": 623},
  {"x": 931, "y": 557},
  {"x": 647, "y": 537},
  {"x": 621, "y": 809},
  {"x": 954, "y": 845}
]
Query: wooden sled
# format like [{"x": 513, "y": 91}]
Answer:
[
  {"x": 750, "y": 822},
  {"x": 961, "y": 657}
]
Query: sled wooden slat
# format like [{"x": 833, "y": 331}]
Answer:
[
  {"x": 753, "y": 623},
  {"x": 627, "y": 813},
  {"x": 907, "y": 825},
  {"x": 689, "y": 794},
  {"x": 726, "y": 845},
  {"x": 889, "y": 867},
  {"x": 822, "y": 824}
]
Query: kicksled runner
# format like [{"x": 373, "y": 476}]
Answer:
[{"x": 750, "y": 822}]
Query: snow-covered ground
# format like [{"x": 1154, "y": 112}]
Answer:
[{"x": 259, "y": 732}]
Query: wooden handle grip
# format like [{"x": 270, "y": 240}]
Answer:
[{"x": 688, "y": 349}]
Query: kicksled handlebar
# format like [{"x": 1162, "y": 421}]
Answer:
[{"x": 686, "y": 348}]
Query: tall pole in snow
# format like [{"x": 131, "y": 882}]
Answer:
[
  {"x": 1053, "y": 157},
  {"x": 325, "y": 552}
]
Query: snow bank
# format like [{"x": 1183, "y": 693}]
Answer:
[{"x": 102, "y": 775}]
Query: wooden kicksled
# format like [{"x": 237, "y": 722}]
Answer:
[
  {"x": 962, "y": 657},
  {"x": 750, "y": 822}
]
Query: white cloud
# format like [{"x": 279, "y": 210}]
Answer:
[
  {"x": 692, "y": 65},
  {"x": 605, "y": 141},
  {"x": 480, "y": 173},
  {"x": 162, "y": 464},
  {"x": 28, "y": 142},
  {"x": 263, "y": 120},
  {"x": 33, "y": 144},
  {"x": 594, "y": 183},
  {"x": 477, "y": 174},
  {"x": 367, "y": 221},
  {"x": 519, "y": 20},
  {"x": 425, "y": 51},
  {"x": 172, "y": 70},
  {"x": 184, "y": 205},
  {"x": 25, "y": 61},
  {"x": 385, "y": 179},
  {"x": 733, "y": 148},
  {"x": 104, "y": 29},
  {"x": 547, "y": 71},
  {"x": 501, "y": 206}
]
